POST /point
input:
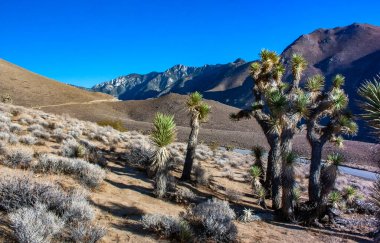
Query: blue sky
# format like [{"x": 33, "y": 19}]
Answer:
[{"x": 85, "y": 42}]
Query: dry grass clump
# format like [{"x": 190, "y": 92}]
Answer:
[
  {"x": 89, "y": 174},
  {"x": 115, "y": 124},
  {"x": 18, "y": 156},
  {"x": 184, "y": 195},
  {"x": 39, "y": 211}
]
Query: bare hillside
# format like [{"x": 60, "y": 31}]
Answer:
[{"x": 30, "y": 89}]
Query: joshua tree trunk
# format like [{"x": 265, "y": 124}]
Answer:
[
  {"x": 288, "y": 182},
  {"x": 276, "y": 174},
  {"x": 191, "y": 146},
  {"x": 315, "y": 172}
]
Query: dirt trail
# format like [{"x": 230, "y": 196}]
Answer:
[{"x": 78, "y": 103}]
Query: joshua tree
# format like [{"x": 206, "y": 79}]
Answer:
[
  {"x": 278, "y": 108},
  {"x": 199, "y": 112},
  {"x": 164, "y": 133},
  {"x": 328, "y": 118}
]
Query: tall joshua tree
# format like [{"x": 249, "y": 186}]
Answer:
[
  {"x": 199, "y": 112},
  {"x": 278, "y": 108},
  {"x": 327, "y": 120},
  {"x": 370, "y": 92},
  {"x": 164, "y": 133}
]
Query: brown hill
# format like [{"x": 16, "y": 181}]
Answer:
[
  {"x": 138, "y": 114},
  {"x": 30, "y": 89}
]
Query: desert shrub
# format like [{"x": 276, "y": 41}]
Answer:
[
  {"x": 18, "y": 157},
  {"x": 162, "y": 224},
  {"x": 35, "y": 127},
  {"x": 13, "y": 139},
  {"x": 229, "y": 147},
  {"x": 184, "y": 195},
  {"x": 15, "y": 128},
  {"x": 87, "y": 232},
  {"x": 201, "y": 175},
  {"x": 214, "y": 218},
  {"x": 71, "y": 148},
  {"x": 28, "y": 140},
  {"x": 214, "y": 145},
  {"x": 4, "y": 118},
  {"x": 115, "y": 124},
  {"x": 6, "y": 98},
  {"x": 59, "y": 134},
  {"x": 72, "y": 208},
  {"x": 233, "y": 195},
  {"x": 169, "y": 227},
  {"x": 35, "y": 224},
  {"x": 89, "y": 174},
  {"x": 4, "y": 136},
  {"x": 41, "y": 134}
]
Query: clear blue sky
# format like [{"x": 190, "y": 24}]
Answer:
[{"x": 84, "y": 42}]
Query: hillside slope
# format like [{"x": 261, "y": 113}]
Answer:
[{"x": 29, "y": 89}]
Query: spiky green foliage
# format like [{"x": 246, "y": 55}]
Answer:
[
  {"x": 335, "y": 198},
  {"x": 164, "y": 131},
  {"x": 291, "y": 158},
  {"x": 370, "y": 92},
  {"x": 299, "y": 64},
  {"x": 256, "y": 172},
  {"x": 195, "y": 104},
  {"x": 258, "y": 152},
  {"x": 338, "y": 81},
  {"x": 335, "y": 159},
  {"x": 339, "y": 100},
  {"x": 347, "y": 125},
  {"x": 315, "y": 83},
  {"x": 302, "y": 103}
]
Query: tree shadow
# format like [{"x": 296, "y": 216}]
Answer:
[
  {"x": 136, "y": 188},
  {"x": 328, "y": 231},
  {"x": 121, "y": 211}
]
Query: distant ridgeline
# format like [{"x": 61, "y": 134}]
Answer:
[{"x": 353, "y": 51}]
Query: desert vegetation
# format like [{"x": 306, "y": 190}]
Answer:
[{"x": 68, "y": 180}]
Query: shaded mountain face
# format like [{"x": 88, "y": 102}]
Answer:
[
  {"x": 353, "y": 51},
  {"x": 212, "y": 80}
]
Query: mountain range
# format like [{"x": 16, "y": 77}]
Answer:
[{"x": 353, "y": 51}]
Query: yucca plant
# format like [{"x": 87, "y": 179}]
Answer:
[
  {"x": 329, "y": 174},
  {"x": 328, "y": 119},
  {"x": 256, "y": 174},
  {"x": 350, "y": 194},
  {"x": 370, "y": 92},
  {"x": 261, "y": 194},
  {"x": 163, "y": 134},
  {"x": 278, "y": 108},
  {"x": 199, "y": 112},
  {"x": 258, "y": 153},
  {"x": 288, "y": 186},
  {"x": 335, "y": 198}
]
